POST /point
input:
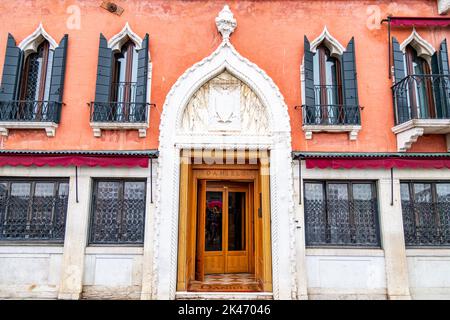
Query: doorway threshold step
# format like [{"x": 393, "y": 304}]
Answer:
[{"x": 224, "y": 296}]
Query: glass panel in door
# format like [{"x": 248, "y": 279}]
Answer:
[
  {"x": 213, "y": 225},
  {"x": 236, "y": 221}
]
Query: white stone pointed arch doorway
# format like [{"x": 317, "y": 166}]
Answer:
[{"x": 276, "y": 137}]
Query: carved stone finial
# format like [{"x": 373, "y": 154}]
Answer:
[{"x": 226, "y": 23}]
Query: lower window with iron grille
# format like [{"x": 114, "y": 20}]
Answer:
[
  {"x": 341, "y": 213},
  {"x": 118, "y": 212},
  {"x": 426, "y": 213},
  {"x": 33, "y": 209}
]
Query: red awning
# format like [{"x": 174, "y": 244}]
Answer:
[
  {"x": 66, "y": 161},
  {"x": 419, "y": 21},
  {"x": 377, "y": 163}
]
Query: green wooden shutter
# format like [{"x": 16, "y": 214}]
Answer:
[
  {"x": 103, "y": 86},
  {"x": 400, "y": 93},
  {"x": 436, "y": 81},
  {"x": 57, "y": 79},
  {"x": 350, "y": 85},
  {"x": 440, "y": 68},
  {"x": 142, "y": 81},
  {"x": 11, "y": 71},
  {"x": 310, "y": 101},
  {"x": 444, "y": 82}
]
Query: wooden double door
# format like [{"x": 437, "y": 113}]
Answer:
[
  {"x": 224, "y": 233},
  {"x": 224, "y": 223}
]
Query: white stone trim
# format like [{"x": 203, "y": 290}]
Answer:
[
  {"x": 225, "y": 22},
  {"x": 336, "y": 49},
  {"x": 116, "y": 42},
  {"x": 407, "y": 133},
  {"x": 49, "y": 127},
  {"x": 345, "y": 252},
  {"x": 225, "y": 57},
  {"x": 114, "y": 250},
  {"x": 428, "y": 252},
  {"x": 97, "y": 127},
  {"x": 31, "y": 43},
  {"x": 352, "y": 130},
  {"x": 443, "y": 6},
  {"x": 423, "y": 48},
  {"x": 224, "y": 296}
]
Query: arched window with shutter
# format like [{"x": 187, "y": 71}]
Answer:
[
  {"x": 420, "y": 88},
  {"x": 328, "y": 86},
  {"x": 33, "y": 82},
  {"x": 122, "y": 88},
  {"x": 421, "y": 85},
  {"x": 330, "y": 91}
]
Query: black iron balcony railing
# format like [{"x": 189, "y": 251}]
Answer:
[
  {"x": 329, "y": 110},
  {"x": 30, "y": 111},
  {"x": 421, "y": 96},
  {"x": 335, "y": 114},
  {"x": 119, "y": 112}
]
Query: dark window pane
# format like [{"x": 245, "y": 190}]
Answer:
[
  {"x": 426, "y": 217},
  {"x": 236, "y": 221},
  {"x": 17, "y": 213},
  {"x": 404, "y": 191},
  {"x": 316, "y": 217},
  {"x": 106, "y": 212},
  {"x": 133, "y": 222},
  {"x": 338, "y": 213},
  {"x": 363, "y": 216},
  {"x": 341, "y": 214},
  {"x": 42, "y": 212},
  {"x": 213, "y": 225},
  {"x": 422, "y": 192},
  {"x": 119, "y": 211},
  {"x": 32, "y": 210}
]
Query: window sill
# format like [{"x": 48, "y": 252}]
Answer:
[
  {"x": 97, "y": 127},
  {"x": 347, "y": 251},
  {"x": 91, "y": 250},
  {"x": 49, "y": 127},
  {"x": 428, "y": 252},
  {"x": 407, "y": 133},
  {"x": 29, "y": 248},
  {"x": 352, "y": 130}
]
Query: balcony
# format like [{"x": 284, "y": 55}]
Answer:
[
  {"x": 421, "y": 106},
  {"x": 329, "y": 115},
  {"x": 120, "y": 114},
  {"x": 20, "y": 114}
]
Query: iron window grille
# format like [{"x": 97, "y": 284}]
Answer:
[
  {"x": 118, "y": 212},
  {"x": 341, "y": 213},
  {"x": 426, "y": 213},
  {"x": 33, "y": 210}
]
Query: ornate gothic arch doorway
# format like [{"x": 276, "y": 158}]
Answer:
[{"x": 224, "y": 107}]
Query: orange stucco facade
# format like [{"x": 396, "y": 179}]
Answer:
[{"x": 269, "y": 33}]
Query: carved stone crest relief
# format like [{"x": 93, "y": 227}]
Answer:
[{"x": 225, "y": 104}]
